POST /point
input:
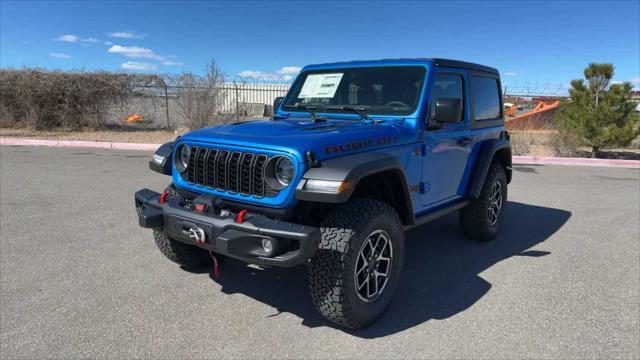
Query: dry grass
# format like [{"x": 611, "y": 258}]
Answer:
[{"x": 549, "y": 143}]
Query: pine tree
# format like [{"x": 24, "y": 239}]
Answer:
[{"x": 599, "y": 114}]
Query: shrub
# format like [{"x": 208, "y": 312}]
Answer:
[
  {"x": 563, "y": 144},
  {"x": 53, "y": 99},
  {"x": 521, "y": 142}
]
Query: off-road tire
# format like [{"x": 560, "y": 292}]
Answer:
[
  {"x": 474, "y": 218},
  {"x": 188, "y": 256},
  {"x": 331, "y": 274}
]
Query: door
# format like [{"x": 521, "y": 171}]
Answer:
[{"x": 446, "y": 149}]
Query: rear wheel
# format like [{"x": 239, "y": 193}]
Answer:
[
  {"x": 482, "y": 218},
  {"x": 356, "y": 270}
]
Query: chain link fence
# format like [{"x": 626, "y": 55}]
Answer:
[
  {"x": 253, "y": 98},
  {"x": 162, "y": 106}
]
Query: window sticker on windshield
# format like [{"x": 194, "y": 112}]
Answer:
[{"x": 320, "y": 85}]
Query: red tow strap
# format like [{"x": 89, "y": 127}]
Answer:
[
  {"x": 163, "y": 197},
  {"x": 216, "y": 271},
  {"x": 240, "y": 216}
]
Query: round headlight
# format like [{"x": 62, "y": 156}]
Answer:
[
  {"x": 278, "y": 172},
  {"x": 284, "y": 170},
  {"x": 182, "y": 161}
]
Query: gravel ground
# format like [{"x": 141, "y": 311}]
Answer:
[{"x": 80, "y": 279}]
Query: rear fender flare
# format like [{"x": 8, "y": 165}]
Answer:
[{"x": 487, "y": 155}]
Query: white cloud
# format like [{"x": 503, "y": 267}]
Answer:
[
  {"x": 126, "y": 35},
  {"x": 255, "y": 74},
  {"x": 289, "y": 70},
  {"x": 136, "y": 65},
  {"x": 59, "y": 56},
  {"x": 109, "y": 43},
  {"x": 635, "y": 82},
  {"x": 90, "y": 40},
  {"x": 510, "y": 73},
  {"x": 285, "y": 73},
  {"x": 67, "y": 38},
  {"x": 171, "y": 63},
  {"x": 135, "y": 52}
]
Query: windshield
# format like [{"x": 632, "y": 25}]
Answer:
[{"x": 388, "y": 90}]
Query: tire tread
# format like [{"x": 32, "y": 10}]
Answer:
[{"x": 329, "y": 266}]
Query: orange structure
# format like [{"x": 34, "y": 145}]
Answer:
[
  {"x": 133, "y": 118},
  {"x": 540, "y": 118},
  {"x": 511, "y": 111}
]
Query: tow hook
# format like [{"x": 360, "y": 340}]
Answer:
[{"x": 196, "y": 233}]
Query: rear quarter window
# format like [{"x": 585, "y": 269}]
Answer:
[{"x": 485, "y": 97}]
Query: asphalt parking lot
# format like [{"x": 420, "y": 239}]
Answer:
[{"x": 79, "y": 278}]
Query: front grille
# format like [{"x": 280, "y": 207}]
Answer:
[{"x": 230, "y": 171}]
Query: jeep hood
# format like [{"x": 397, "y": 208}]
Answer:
[{"x": 328, "y": 139}]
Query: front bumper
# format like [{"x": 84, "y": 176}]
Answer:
[{"x": 224, "y": 233}]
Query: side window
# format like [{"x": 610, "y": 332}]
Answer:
[
  {"x": 445, "y": 86},
  {"x": 485, "y": 98}
]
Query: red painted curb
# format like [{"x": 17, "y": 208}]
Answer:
[
  {"x": 135, "y": 146},
  {"x": 536, "y": 160},
  {"x": 32, "y": 142},
  {"x": 542, "y": 160},
  {"x": 76, "y": 143}
]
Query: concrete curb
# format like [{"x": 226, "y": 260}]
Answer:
[
  {"x": 541, "y": 160},
  {"x": 77, "y": 143},
  {"x": 534, "y": 160}
]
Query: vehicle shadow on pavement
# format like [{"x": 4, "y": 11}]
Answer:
[{"x": 441, "y": 272}]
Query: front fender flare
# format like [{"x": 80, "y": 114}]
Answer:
[
  {"x": 163, "y": 152},
  {"x": 351, "y": 169}
]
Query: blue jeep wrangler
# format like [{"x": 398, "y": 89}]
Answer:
[{"x": 355, "y": 154}]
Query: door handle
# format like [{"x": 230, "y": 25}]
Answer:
[{"x": 464, "y": 141}]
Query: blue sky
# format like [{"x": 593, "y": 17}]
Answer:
[{"x": 544, "y": 42}]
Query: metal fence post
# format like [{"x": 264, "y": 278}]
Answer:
[
  {"x": 237, "y": 103},
  {"x": 166, "y": 103}
]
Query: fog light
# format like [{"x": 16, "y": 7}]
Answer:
[{"x": 267, "y": 245}]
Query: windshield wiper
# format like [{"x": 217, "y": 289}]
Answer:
[
  {"x": 358, "y": 110},
  {"x": 311, "y": 109}
]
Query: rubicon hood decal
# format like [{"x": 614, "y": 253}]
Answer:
[{"x": 359, "y": 145}]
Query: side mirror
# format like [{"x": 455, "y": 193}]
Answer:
[
  {"x": 276, "y": 103},
  {"x": 448, "y": 110}
]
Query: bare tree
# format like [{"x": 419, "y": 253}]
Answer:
[{"x": 200, "y": 96}]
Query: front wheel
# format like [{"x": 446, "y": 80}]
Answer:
[
  {"x": 356, "y": 270},
  {"x": 185, "y": 255},
  {"x": 482, "y": 218},
  {"x": 188, "y": 256}
]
